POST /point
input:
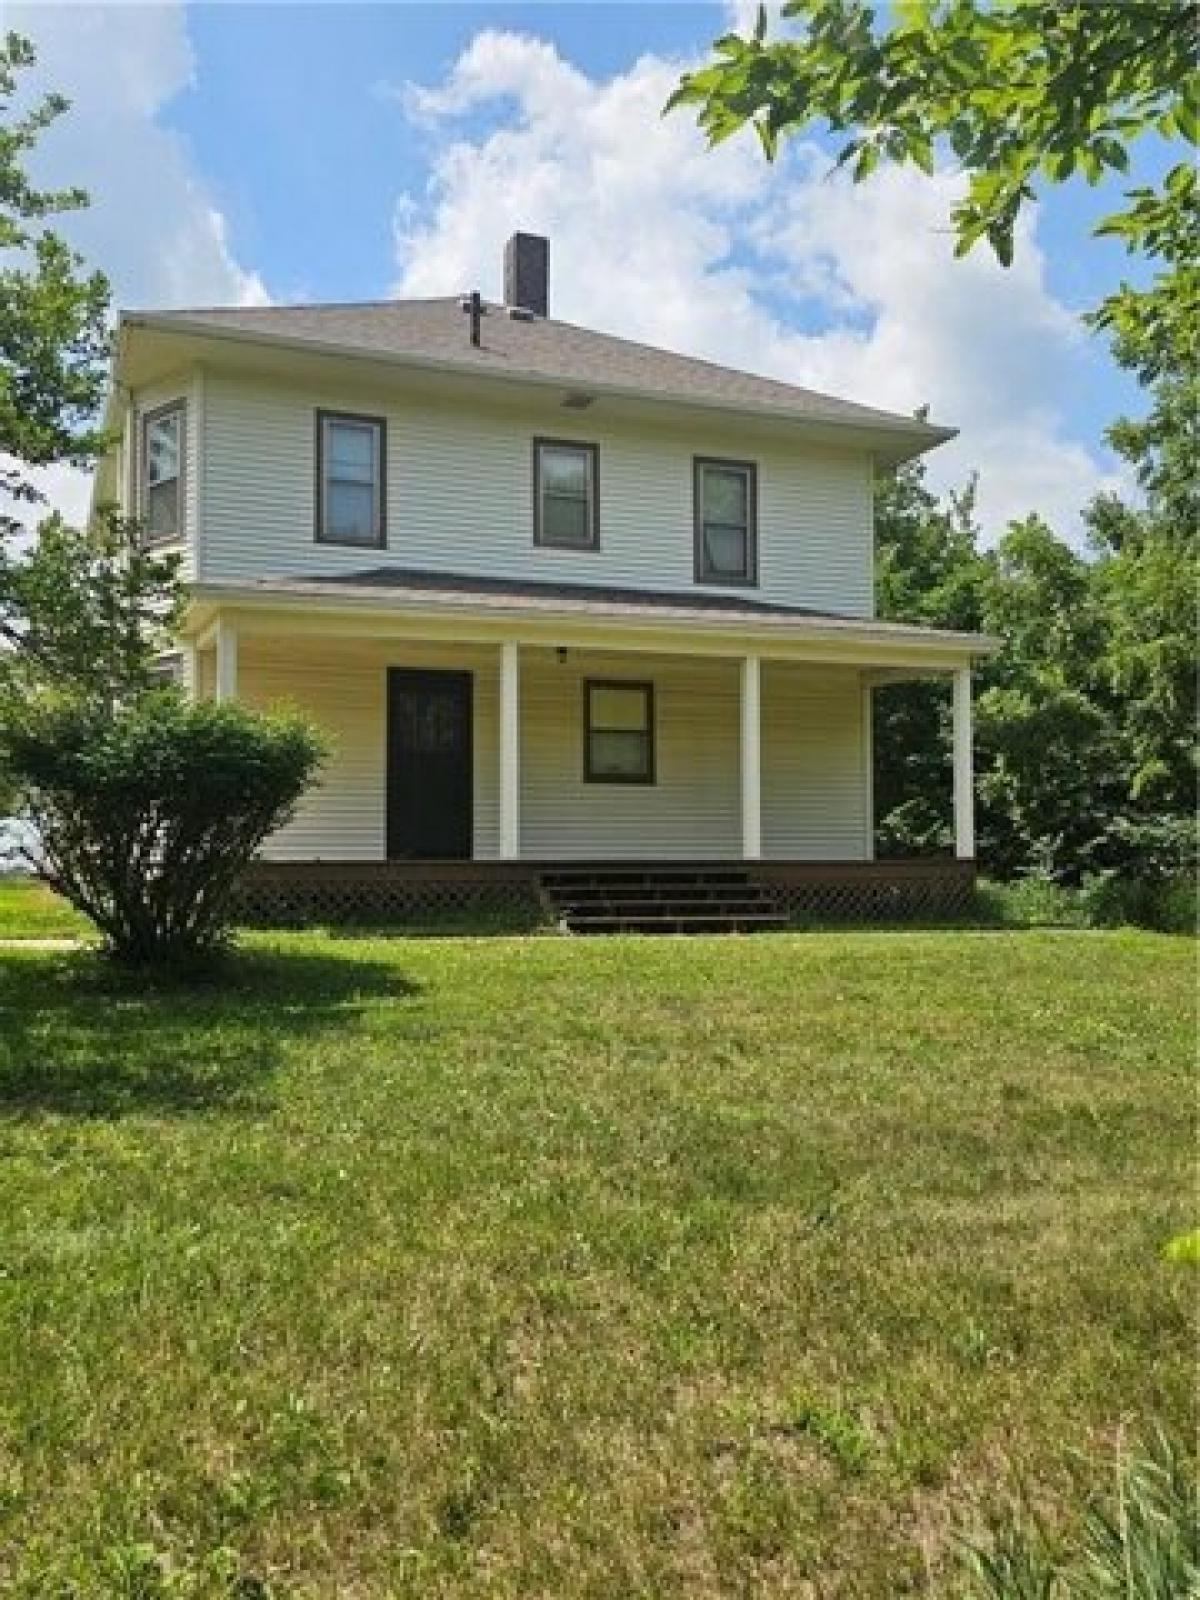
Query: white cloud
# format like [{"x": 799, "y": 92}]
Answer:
[
  {"x": 716, "y": 253},
  {"x": 152, "y": 225}
]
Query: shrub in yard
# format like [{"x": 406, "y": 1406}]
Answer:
[
  {"x": 148, "y": 812},
  {"x": 1147, "y": 875},
  {"x": 1113, "y": 901}
]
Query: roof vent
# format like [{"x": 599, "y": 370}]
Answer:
[
  {"x": 473, "y": 305},
  {"x": 577, "y": 401},
  {"x": 527, "y": 273}
]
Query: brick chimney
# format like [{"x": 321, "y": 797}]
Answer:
[{"x": 527, "y": 274}]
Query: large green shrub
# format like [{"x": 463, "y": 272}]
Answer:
[{"x": 148, "y": 813}]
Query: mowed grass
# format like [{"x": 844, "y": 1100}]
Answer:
[
  {"x": 551, "y": 1268},
  {"x": 29, "y": 910}
]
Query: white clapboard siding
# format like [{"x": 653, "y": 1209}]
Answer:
[
  {"x": 459, "y": 495},
  {"x": 692, "y": 808},
  {"x": 814, "y": 787},
  {"x": 343, "y": 688},
  {"x": 813, "y": 782}
]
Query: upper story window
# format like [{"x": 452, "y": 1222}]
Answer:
[
  {"x": 162, "y": 473},
  {"x": 350, "y": 479},
  {"x": 726, "y": 509},
  {"x": 565, "y": 494},
  {"x": 618, "y": 731}
]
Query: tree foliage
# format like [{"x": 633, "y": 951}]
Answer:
[
  {"x": 1019, "y": 94},
  {"x": 53, "y": 334},
  {"x": 1085, "y": 748},
  {"x": 86, "y": 613},
  {"x": 146, "y": 808},
  {"x": 148, "y": 813}
]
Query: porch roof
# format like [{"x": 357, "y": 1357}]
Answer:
[{"x": 407, "y": 593}]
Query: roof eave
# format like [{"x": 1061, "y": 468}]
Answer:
[{"x": 892, "y": 441}]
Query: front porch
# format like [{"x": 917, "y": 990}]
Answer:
[
  {"x": 473, "y": 758},
  {"x": 301, "y": 892},
  {"x": 754, "y": 757}
]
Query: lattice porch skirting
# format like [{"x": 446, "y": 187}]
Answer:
[
  {"x": 298, "y": 893},
  {"x": 871, "y": 891},
  {"x": 293, "y": 893}
]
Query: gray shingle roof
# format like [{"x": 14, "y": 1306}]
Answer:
[
  {"x": 599, "y": 595},
  {"x": 538, "y": 348},
  {"x": 482, "y": 593}
]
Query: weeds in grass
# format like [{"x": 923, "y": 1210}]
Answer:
[
  {"x": 1141, "y": 1542},
  {"x": 1183, "y": 1249},
  {"x": 837, "y": 1430}
]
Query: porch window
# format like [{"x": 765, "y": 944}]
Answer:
[
  {"x": 162, "y": 474},
  {"x": 618, "y": 732},
  {"x": 726, "y": 512},
  {"x": 565, "y": 494},
  {"x": 350, "y": 479}
]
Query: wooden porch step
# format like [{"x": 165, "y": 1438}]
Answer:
[
  {"x": 669, "y": 898},
  {"x": 705, "y": 893},
  {"x": 648, "y": 906},
  {"x": 626, "y": 877},
  {"x": 692, "y": 922}
]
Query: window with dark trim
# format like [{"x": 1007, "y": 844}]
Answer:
[
  {"x": 566, "y": 494},
  {"x": 726, "y": 513},
  {"x": 618, "y": 740},
  {"x": 161, "y": 466},
  {"x": 351, "y": 466}
]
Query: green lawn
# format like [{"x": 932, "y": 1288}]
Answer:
[
  {"x": 550, "y": 1268},
  {"x": 28, "y": 910}
]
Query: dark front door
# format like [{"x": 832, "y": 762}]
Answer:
[{"x": 429, "y": 764}]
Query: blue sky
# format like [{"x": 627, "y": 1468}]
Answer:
[{"x": 358, "y": 151}]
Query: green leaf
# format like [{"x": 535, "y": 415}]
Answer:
[
  {"x": 921, "y": 152},
  {"x": 768, "y": 137},
  {"x": 1183, "y": 1249},
  {"x": 868, "y": 160}
]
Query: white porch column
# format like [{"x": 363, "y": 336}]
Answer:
[
  {"x": 227, "y": 661},
  {"x": 189, "y": 676},
  {"x": 867, "y": 713},
  {"x": 751, "y": 758},
  {"x": 510, "y": 751},
  {"x": 964, "y": 782}
]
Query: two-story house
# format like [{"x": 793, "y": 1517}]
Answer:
[{"x": 573, "y": 611}]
